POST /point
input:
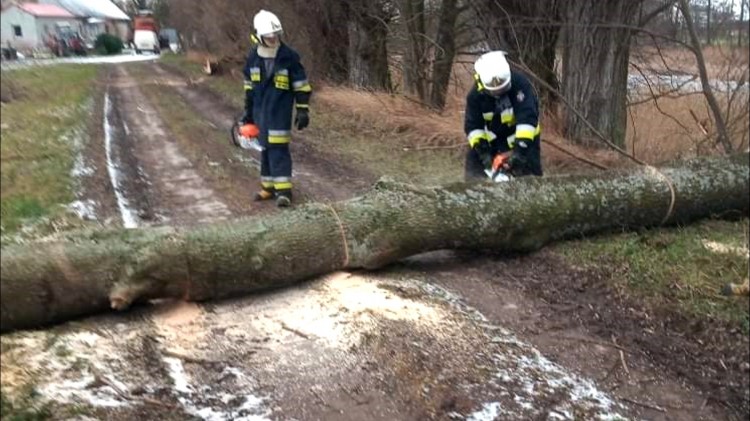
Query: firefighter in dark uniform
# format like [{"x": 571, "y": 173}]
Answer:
[
  {"x": 501, "y": 121},
  {"x": 275, "y": 84}
]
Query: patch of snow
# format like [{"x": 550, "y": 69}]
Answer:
[
  {"x": 119, "y": 58},
  {"x": 251, "y": 409},
  {"x": 680, "y": 83},
  {"x": 177, "y": 373},
  {"x": 489, "y": 412},
  {"x": 85, "y": 209},
  {"x": 722, "y": 248},
  {"x": 129, "y": 216}
]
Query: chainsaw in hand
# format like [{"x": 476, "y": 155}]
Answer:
[
  {"x": 245, "y": 136},
  {"x": 499, "y": 172}
]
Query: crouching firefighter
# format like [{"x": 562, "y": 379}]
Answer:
[
  {"x": 275, "y": 84},
  {"x": 501, "y": 121}
]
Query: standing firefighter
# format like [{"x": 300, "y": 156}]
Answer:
[
  {"x": 275, "y": 82},
  {"x": 501, "y": 121}
]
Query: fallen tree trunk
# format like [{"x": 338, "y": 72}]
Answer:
[{"x": 88, "y": 273}]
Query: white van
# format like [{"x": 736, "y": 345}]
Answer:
[{"x": 146, "y": 41}]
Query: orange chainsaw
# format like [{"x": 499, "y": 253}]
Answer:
[
  {"x": 500, "y": 170},
  {"x": 245, "y": 136}
]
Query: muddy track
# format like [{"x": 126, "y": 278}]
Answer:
[
  {"x": 318, "y": 177},
  {"x": 442, "y": 336},
  {"x": 163, "y": 183},
  {"x": 574, "y": 318}
]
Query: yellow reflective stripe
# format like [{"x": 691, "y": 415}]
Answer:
[
  {"x": 279, "y": 139},
  {"x": 488, "y": 116},
  {"x": 475, "y": 136},
  {"x": 266, "y": 184},
  {"x": 507, "y": 117},
  {"x": 284, "y": 185},
  {"x": 303, "y": 88},
  {"x": 302, "y": 106},
  {"x": 480, "y": 85},
  {"x": 527, "y": 131},
  {"x": 248, "y": 86}
]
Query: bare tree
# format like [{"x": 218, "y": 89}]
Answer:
[
  {"x": 596, "y": 50},
  {"x": 528, "y": 30},
  {"x": 707, "y": 90},
  {"x": 445, "y": 52},
  {"x": 367, "y": 26}
]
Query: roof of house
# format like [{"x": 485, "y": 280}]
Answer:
[
  {"x": 45, "y": 10},
  {"x": 103, "y": 9}
]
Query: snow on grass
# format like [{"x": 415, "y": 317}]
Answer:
[
  {"x": 120, "y": 58},
  {"x": 129, "y": 215}
]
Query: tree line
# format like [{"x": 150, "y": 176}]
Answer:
[{"x": 578, "y": 52}]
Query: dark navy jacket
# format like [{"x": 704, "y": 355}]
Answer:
[
  {"x": 511, "y": 117},
  {"x": 274, "y": 95}
]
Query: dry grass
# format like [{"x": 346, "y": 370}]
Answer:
[
  {"x": 726, "y": 63},
  {"x": 682, "y": 127}
]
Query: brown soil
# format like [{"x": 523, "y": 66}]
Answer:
[{"x": 440, "y": 336}]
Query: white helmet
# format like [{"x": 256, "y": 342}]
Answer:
[
  {"x": 493, "y": 71},
  {"x": 267, "y": 24}
]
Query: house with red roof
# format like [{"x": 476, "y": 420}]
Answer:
[{"x": 28, "y": 26}]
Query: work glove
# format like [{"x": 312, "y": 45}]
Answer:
[
  {"x": 302, "y": 119},
  {"x": 247, "y": 118},
  {"x": 484, "y": 152},
  {"x": 519, "y": 161}
]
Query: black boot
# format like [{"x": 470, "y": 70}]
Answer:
[{"x": 283, "y": 198}]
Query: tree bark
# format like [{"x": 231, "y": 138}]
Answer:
[
  {"x": 529, "y": 31},
  {"x": 415, "y": 54},
  {"x": 88, "y": 273},
  {"x": 444, "y": 54},
  {"x": 367, "y": 53},
  {"x": 595, "y": 67},
  {"x": 708, "y": 92}
]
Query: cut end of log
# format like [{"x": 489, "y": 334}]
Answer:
[{"x": 118, "y": 303}]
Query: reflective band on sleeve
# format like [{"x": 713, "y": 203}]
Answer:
[
  {"x": 255, "y": 74},
  {"x": 526, "y": 131},
  {"x": 301, "y": 86},
  {"x": 302, "y": 106},
  {"x": 507, "y": 117},
  {"x": 488, "y": 116},
  {"x": 248, "y": 85},
  {"x": 475, "y": 136}
]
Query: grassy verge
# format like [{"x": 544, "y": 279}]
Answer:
[
  {"x": 40, "y": 127},
  {"x": 680, "y": 268}
]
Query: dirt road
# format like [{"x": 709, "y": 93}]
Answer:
[{"x": 441, "y": 336}]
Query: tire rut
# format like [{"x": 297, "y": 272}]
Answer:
[
  {"x": 163, "y": 183},
  {"x": 316, "y": 177}
]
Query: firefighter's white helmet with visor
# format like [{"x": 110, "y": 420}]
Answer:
[
  {"x": 493, "y": 71},
  {"x": 267, "y": 24}
]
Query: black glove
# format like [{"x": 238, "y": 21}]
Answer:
[
  {"x": 247, "y": 118},
  {"x": 302, "y": 119},
  {"x": 484, "y": 152},
  {"x": 519, "y": 161}
]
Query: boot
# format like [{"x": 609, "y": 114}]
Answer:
[
  {"x": 284, "y": 199},
  {"x": 263, "y": 194}
]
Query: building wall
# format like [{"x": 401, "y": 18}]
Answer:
[
  {"x": 34, "y": 31},
  {"x": 13, "y": 16},
  {"x": 47, "y": 26}
]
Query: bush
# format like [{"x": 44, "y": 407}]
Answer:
[{"x": 108, "y": 44}]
